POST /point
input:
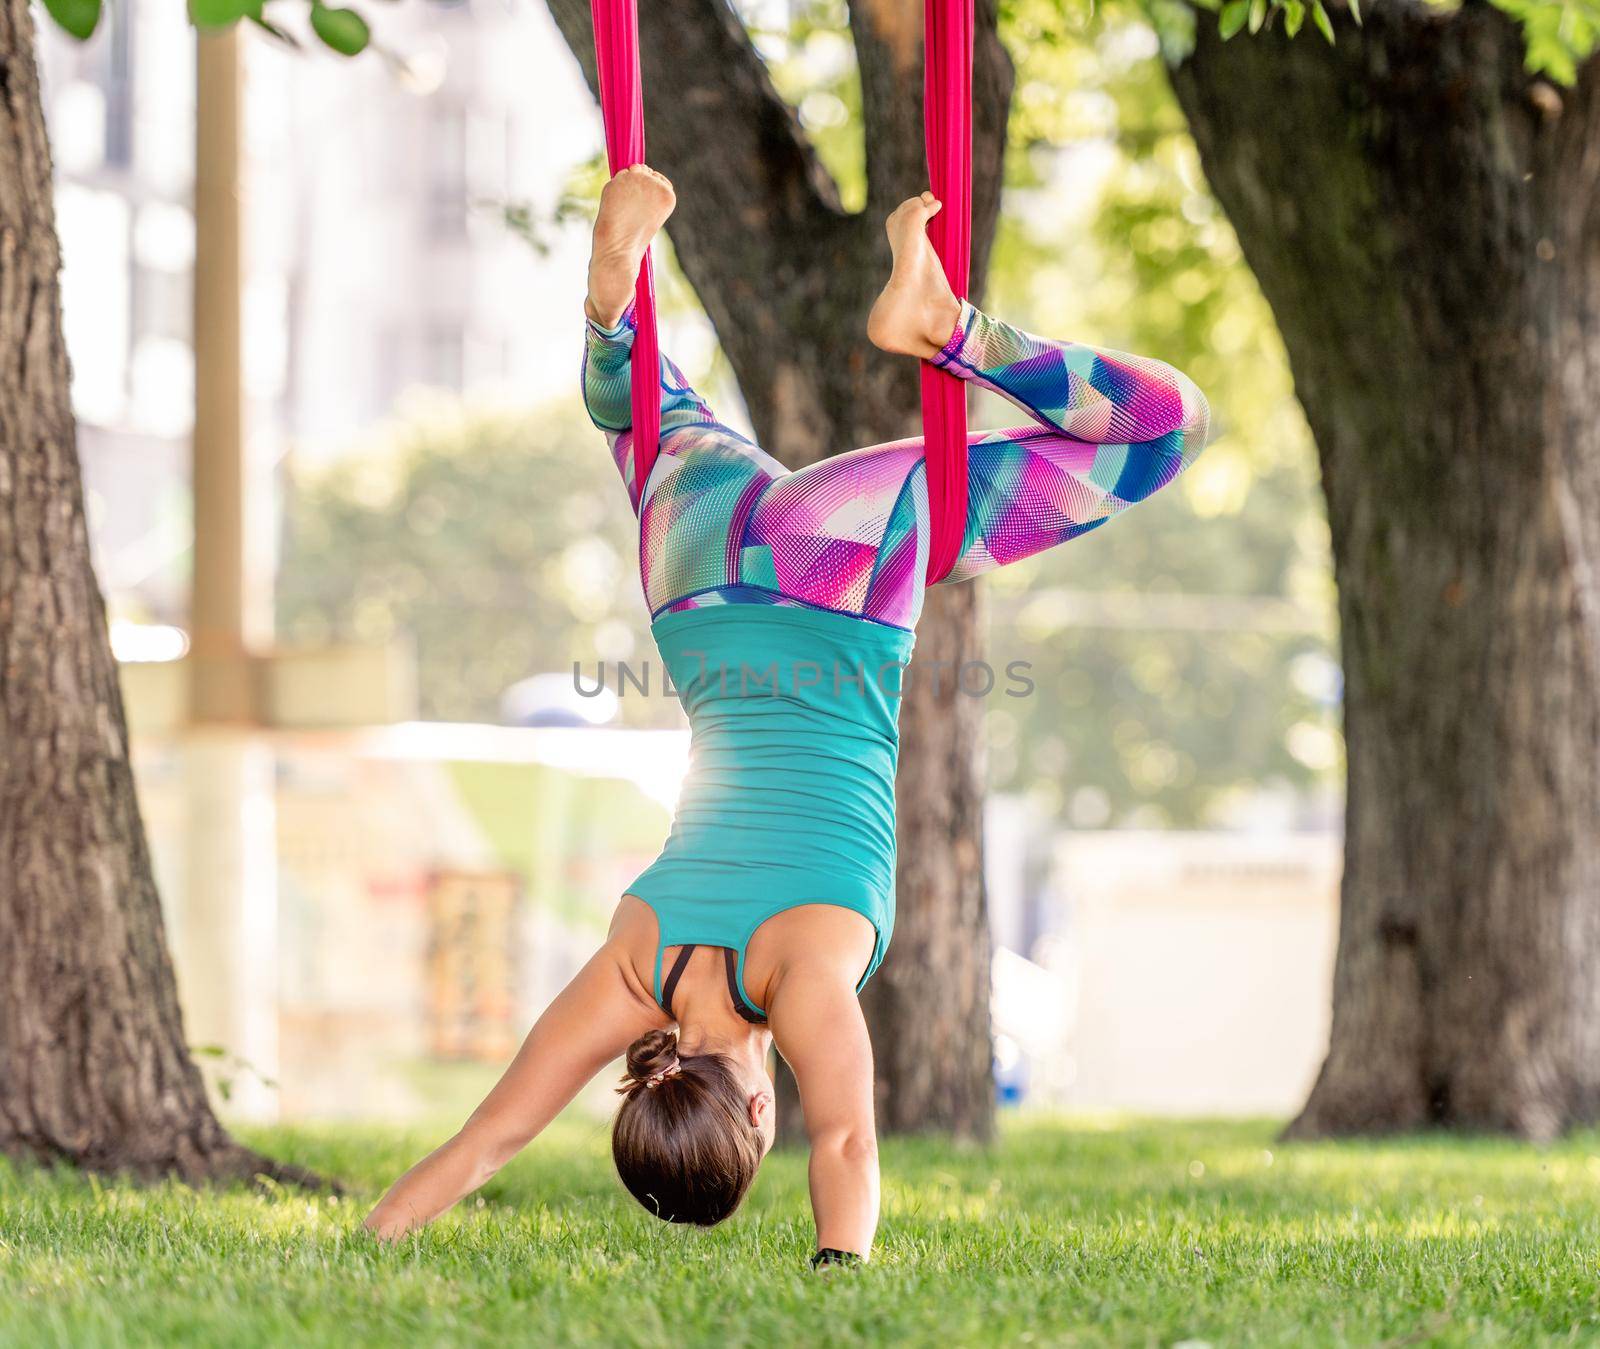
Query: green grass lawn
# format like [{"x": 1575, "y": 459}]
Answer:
[{"x": 1068, "y": 1232}]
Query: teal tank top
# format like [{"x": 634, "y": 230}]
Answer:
[{"x": 789, "y": 798}]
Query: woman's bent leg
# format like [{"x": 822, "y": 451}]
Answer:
[
  {"x": 1112, "y": 429},
  {"x": 608, "y": 394},
  {"x": 1085, "y": 392}
]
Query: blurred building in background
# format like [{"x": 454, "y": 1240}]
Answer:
[
  {"x": 377, "y": 254},
  {"x": 121, "y": 117}
]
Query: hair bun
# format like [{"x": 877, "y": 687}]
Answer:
[{"x": 653, "y": 1052}]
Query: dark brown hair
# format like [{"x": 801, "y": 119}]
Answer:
[{"x": 684, "y": 1147}]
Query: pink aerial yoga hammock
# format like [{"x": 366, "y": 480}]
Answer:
[
  {"x": 616, "y": 46},
  {"x": 947, "y": 128},
  {"x": 947, "y": 118}
]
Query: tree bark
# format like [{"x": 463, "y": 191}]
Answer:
[
  {"x": 94, "y": 1067},
  {"x": 928, "y": 1006},
  {"x": 1423, "y": 217},
  {"x": 787, "y": 276}
]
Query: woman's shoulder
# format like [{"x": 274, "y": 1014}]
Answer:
[
  {"x": 631, "y": 942},
  {"x": 815, "y": 943},
  {"x": 633, "y": 920},
  {"x": 809, "y": 990}
]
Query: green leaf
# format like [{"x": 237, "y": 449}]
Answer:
[
  {"x": 217, "y": 13},
  {"x": 78, "y": 17},
  {"x": 341, "y": 29},
  {"x": 1258, "y": 14},
  {"x": 1355, "y": 11},
  {"x": 1319, "y": 16},
  {"x": 1294, "y": 14},
  {"x": 1234, "y": 13}
]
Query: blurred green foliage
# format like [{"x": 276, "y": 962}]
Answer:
[
  {"x": 339, "y": 30},
  {"x": 499, "y": 542},
  {"x": 1558, "y": 35},
  {"x": 1202, "y": 673}
]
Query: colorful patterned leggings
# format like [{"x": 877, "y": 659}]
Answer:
[{"x": 722, "y": 522}]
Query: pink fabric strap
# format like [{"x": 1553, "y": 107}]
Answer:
[
  {"x": 616, "y": 46},
  {"x": 947, "y": 119},
  {"x": 947, "y": 115}
]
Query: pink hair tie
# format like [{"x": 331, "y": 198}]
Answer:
[{"x": 671, "y": 1070}]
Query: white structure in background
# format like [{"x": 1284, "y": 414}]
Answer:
[
  {"x": 557, "y": 700},
  {"x": 1035, "y": 999},
  {"x": 376, "y": 258},
  {"x": 1202, "y": 964},
  {"x": 1172, "y": 972}
]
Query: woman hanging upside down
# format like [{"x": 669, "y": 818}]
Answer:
[{"x": 784, "y": 606}]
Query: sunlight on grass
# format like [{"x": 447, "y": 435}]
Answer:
[{"x": 1099, "y": 1231}]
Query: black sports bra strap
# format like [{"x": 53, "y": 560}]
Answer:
[
  {"x": 671, "y": 986},
  {"x": 731, "y": 964}
]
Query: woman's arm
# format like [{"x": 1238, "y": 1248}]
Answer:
[
  {"x": 818, "y": 1028},
  {"x": 593, "y": 1020}
]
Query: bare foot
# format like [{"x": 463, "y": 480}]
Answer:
[
  {"x": 917, "y": 311},
  {"x": 634, "y": 205}
]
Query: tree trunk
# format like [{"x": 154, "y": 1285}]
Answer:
[
  {"x": 94, "y": 1068},
  {"x": 929, "y": 1005},
  {"x": 1422, "y": 217},
  {"x": 787, "y": 277}
]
